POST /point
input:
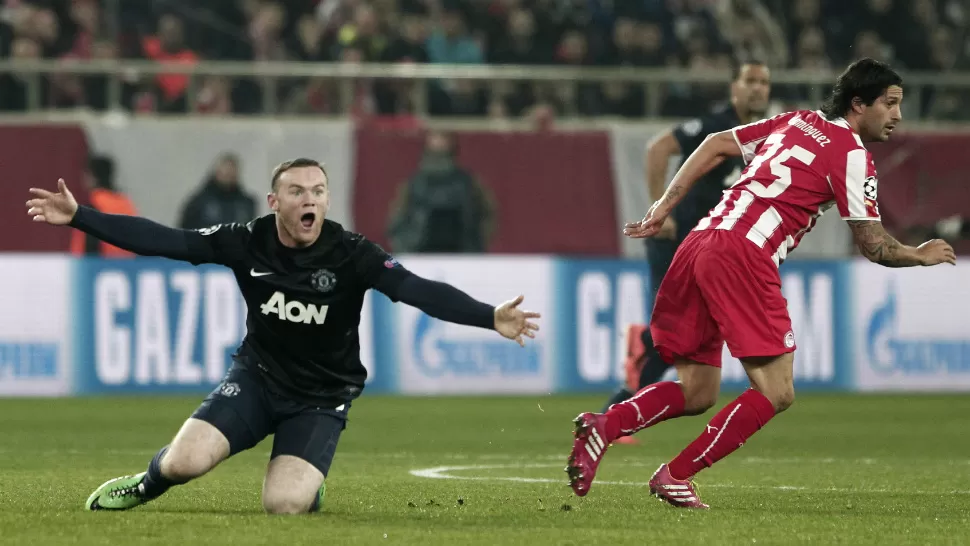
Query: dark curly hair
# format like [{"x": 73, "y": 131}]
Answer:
[{"x": 865, "y": 79}]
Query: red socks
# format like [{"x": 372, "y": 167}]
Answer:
[
  {"x": 725, "y": 433},
  {"x": 649, "y": 406}
]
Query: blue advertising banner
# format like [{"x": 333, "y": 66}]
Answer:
[
  {"x": 160, "y": 326},
  {"x": 596, "y": 300},
  {"x": 154, "y": 325}
]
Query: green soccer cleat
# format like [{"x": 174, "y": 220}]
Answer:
[
  {"x": 317, "y": 505},
  {"x": 117, "y": 494}
]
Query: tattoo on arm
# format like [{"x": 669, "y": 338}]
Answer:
[
  {"x": 880, "y": 247},
  {"x": 673, "y": 193}
]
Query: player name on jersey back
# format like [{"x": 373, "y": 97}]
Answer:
[
  {"x": 810, "y": 130},
  {"x": 799, "y": 164}
]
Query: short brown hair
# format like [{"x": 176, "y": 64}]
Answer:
[{"x": 295, "y": 164}]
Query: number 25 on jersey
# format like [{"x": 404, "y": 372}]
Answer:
[{"x": 775, "y": 154}]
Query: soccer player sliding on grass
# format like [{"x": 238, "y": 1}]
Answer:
[
  {"x": 723, "y": 284},
  {"x": 298, "y": 369}
]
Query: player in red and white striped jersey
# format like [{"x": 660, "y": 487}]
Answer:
[{"x": 723, "y": 284}]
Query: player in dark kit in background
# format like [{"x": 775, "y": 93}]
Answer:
[
  {"x": 750, "y": 92},
  {"x": 298, "y": 368},
  {"x": 723, "y": 284}
]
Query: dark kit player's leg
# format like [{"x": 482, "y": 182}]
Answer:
[
  {"x": 664, "y": 251},
  {"x": 303, "y": 450},
  {"x": 234, "y": 417},
  {"x": 660, "y": 254}
]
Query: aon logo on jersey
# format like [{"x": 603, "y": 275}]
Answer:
[{"x": 294, "y": 311}]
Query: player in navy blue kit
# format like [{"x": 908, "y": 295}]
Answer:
[
  {"x": 750, "y": 92},
  {"x": 298, "y": 368}
]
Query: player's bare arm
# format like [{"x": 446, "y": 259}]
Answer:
[
  {"x": 714, "y": 150},
  {"x": 880, "y": 247},
  {"x": 656, "y": 160},
  {"x": 139, "y": 235}
]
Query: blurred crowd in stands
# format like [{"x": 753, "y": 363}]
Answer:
[{"x": 924, "y": 35}]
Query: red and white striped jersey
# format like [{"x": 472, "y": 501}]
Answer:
[{"x": 798, "y": 165}]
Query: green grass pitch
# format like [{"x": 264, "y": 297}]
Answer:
[{"x": 835, "y": 469}]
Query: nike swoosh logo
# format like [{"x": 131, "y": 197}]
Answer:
[{"x": 255, "y": 273}]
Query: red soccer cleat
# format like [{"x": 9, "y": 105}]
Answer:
[
  {"x": 588, "y": 450},
  {"x": 680, "y": 493}
]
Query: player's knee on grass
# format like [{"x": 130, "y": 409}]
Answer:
[
  {"x": 290, "y": 486},
  {"x": 773, "y": 377},
  {"x": 197, "y": 448},
  {"x": 701, "y": 384}
]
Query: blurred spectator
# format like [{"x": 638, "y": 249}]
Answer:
[
  {"x": 452, "y": 43},
  {"x": 695, "y": 34},
  {"x": 442, "y": 208},
  {"x": 520, "y": 45},
  {"x": 316, "y": 97},
  {"x": 364, "y": 33},
  {"x": 14, "y": 88},
  {"x": 105, "y": 197},
  {"x": 308, "y": 41},
  {"x": 215, "y": 96},
  {"x": 168, "y": 46},
  {"x": 624, "y": 98},
  {"x": 265, "y": 32},
  {"x": 573, "y": 51},
  {"x": 395, "y": 97},
  {"x": 942, "y": 102},
  {"x": 220, "y": 200},
  {"x": 752, "y": 31},
  {"x": 808, "y": 54},
  {"x": 869, "y": 44}
]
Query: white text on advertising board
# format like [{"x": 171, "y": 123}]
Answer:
[
  {"x": 27, "y": 360},
  {"x": 147, "y": 326},
  {"x": 599, "y": 344},
  {"x": 891, "y": 352}
]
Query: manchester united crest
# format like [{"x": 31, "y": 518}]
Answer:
[{"x": 323, "y": 280}]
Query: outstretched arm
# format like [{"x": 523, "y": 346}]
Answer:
[
  {"x": 711, "y": 153},
  {"x": 880, "y": 247},
  {"x": 138, "y": 235},
  {"x": 437, "y": 299},
  {"x": 443, "y": 301}
]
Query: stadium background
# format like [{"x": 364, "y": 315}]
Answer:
[{"x": 551, "y": 103}]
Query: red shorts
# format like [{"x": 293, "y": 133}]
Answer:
[{"x": 720, "y": 287}]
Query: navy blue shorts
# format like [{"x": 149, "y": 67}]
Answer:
[{"x": 246, "y": 412}]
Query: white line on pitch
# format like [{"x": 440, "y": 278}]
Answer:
[{"x": 444, "y": 473}]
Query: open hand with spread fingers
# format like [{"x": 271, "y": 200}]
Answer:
[
  {"x": 54, "y": 208},
  {"x": 514, "y": 323}
]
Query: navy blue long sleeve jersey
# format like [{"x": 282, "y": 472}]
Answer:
[{"x": 304, "y": 304}]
